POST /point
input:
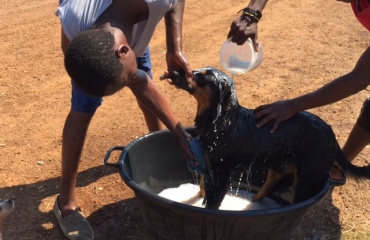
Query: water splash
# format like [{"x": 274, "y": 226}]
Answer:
[
  {"x": 249, "y": 175},
  {"x": 233, "y": 74},
  {"x": 238, "y": 187},
  {"x": 219, "y": 108}
]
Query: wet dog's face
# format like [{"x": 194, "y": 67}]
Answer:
[{"x": 209, "y": 87}]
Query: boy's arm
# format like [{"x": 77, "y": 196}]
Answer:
[
  {"x": 342, "y": 87},
  {"x": 150, "y": 95},
  {"x": 175, "y": 56}
]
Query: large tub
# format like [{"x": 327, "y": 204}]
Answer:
[{"x": 155, "y": 162}]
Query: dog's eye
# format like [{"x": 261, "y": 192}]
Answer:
[
  {"x": 200, "y": 80},
  {"x": 1, "y": 208}
]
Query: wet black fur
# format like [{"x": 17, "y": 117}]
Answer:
[{"x": 232, "y": 139}]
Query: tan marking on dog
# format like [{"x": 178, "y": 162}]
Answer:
[
  {"x": 203, "y": 97},
  {"x": 274, "y": 177},
  {"x": 202, "y": 191}
]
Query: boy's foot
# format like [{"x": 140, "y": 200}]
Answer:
[{"x": 74, "y": 226}]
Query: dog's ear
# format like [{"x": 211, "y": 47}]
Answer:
[
  {"x": 227, "y": 94},
  {"x": 224, "y": 91}
]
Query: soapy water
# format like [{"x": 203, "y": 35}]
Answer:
[{"x": 241, "y": 200}]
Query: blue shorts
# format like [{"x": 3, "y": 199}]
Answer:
[{"x": 81, "y": 102}]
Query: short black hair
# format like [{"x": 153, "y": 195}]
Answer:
[{"x": 91, "y": 62}]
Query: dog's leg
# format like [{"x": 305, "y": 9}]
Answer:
[
  {"x": 202, "y": 192},
  {"x": 272, "y": 178},
  {"x": 295, "y": 180}
]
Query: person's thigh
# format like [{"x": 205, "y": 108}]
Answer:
[
  {"x": 144, "y": 63},
  {"x": 81, "y": 102}
]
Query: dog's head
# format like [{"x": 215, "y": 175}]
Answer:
[
  {"x": 211, "y": 88},
  {"x": 6, "y": 207}
]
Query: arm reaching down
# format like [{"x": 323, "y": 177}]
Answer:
[{"x": 150, "y": 95}]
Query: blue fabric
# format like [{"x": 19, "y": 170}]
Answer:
[
  {"x": 81, "y": 102},
  {"x": 144, "y": 63},
  {"x": 197, "y": 150}
]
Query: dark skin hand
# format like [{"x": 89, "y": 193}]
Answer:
[
  {"x": 175, "y": 57},
  {"x": 241, "y": 28}
]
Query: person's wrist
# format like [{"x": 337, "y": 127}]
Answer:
[
  {"x": 295, "y": 105},
  {"x": 250, "y": 15}
]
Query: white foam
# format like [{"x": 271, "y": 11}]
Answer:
[{"x": 234, "y": 201}]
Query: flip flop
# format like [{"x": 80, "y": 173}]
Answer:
[
  {"x": 74, "y": 226},
  {"x": 337, "y": 182}
]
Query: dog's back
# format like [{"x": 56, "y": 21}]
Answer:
[{"x": 304, "y": 140}]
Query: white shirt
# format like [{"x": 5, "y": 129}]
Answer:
[{"x": 80, "y": 15}]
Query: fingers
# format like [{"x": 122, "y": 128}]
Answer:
[
  {"x": 165, "y": 76},
  {"x": 260, "y": 111},
  {"x": 264, "y": 120},
  {"x": 255, "y": 43},
  {"x": 266, "y": 113},
  {"x": 275, "y": 126},
  {"x": 188, "y": 153},
  {"x": 188, "y": 73}
]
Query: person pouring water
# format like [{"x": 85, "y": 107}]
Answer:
[{"x": 245, "y": 26}]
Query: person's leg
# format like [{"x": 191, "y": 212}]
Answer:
[
  {"x": 360, "y": 134},
  {"x": 74, "y": 134},
  {"x": 357, "y": 140},
  {"x": 153, "y": 123},
  {"x": 72, "y": 222}
]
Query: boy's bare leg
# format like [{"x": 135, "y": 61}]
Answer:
[{"x": 74, "y": 134}]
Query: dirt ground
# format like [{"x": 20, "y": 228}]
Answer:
[{"x": 306, "y": 44}]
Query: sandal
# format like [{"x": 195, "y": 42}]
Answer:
[
  {"x": 74, "y": 226},
  {"x": 335, "y": 181}
]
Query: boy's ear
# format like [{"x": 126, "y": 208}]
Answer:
[{"x": 122, "y": 50}]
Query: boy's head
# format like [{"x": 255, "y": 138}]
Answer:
[{"x": 100, "y": 61}]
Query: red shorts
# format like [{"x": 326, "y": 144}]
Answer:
[{"x": 361, "y": 8}]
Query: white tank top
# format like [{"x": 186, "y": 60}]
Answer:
[{"x": 80, "y": 15}]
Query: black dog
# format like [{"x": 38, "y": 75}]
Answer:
[{"x": 305, "y": 146}]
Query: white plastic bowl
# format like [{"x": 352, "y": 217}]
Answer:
[{"x": 238, "y": 59}]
